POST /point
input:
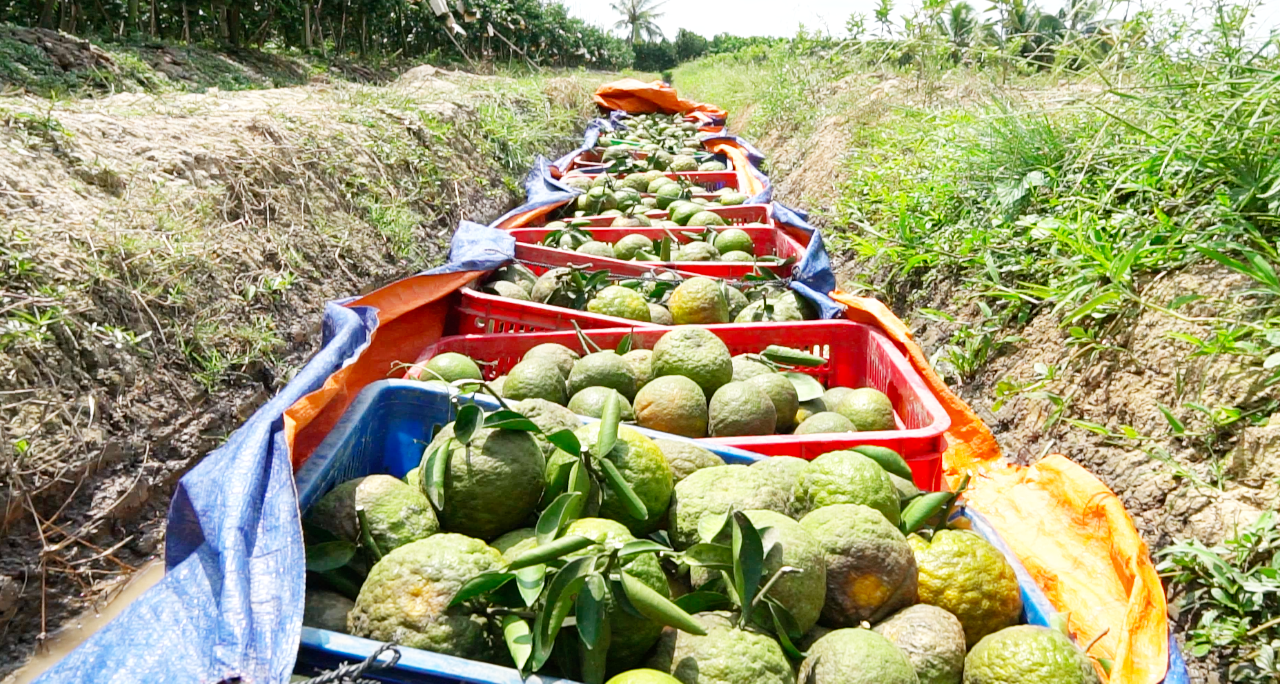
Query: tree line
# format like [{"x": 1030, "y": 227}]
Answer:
[{"x": 465, "y": 31}]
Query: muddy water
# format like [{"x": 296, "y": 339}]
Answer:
[{"x": 79, "y": 629}]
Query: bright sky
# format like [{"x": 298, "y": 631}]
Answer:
[{"x": 771, "y": 18}]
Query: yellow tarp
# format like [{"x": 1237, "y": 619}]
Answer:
[{"x": 1067, "y": 528}]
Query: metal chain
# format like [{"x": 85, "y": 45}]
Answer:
[{"x": 352, "y": 673}]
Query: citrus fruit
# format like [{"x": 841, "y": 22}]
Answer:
[
  {"x": 493, "y": 486},
  {"x": 706, "y": 218},
  {"x": 856, "y": 656},
  {"x": 831, "y": 398},
  {"x": 787, "y": 306},
  {"x": 636, "y": 181},
  {"x": 738, "y": 409},
  {"x": 503, "y": 288},
  {"x": 681, "y": 212},
  {"x": 782, "y": 393},
  {"x": 1027, "y": 654},
  {"x": 644, "y": 468},
  {"x": 827, "y": 421},
  {"x": 590, "y": 402},
  {"x": 562, "y": 356},
  {"x": 736, "y": 256},
  {"x": 656, "y": 184},
  {"x": 714, "y": 491},
  {"x": 736, "y": 300},
  {"x": 965, "y": 575},
  {"x": 630, "y": 221},
  {"x": 868, "y": 409},
  {"x": 550, "y": 418},
  {"x": 847, "y": 477},
  {"x": 734, "y": 240},
  {"x": 696, "y": 354},
  {"x": 725, "y": 655},
  {"x": 686, "y": 457},
  {"x": 673, "y": 404},
  {"x": 515, "y": 542},
  {"x": 630, "y": 246},
  {"x": 660, "y": 315},
  {"x": 549, "y": 288},
  {"x": 698, "y": 251},
  {"x": 668, "y": 193},
  {"x": 326, "y": 610},
  {"x": 699, "y": 301},
  {"x": 535, "y": 378},
  {"x": 732, "y": 199},
  {"x": 801, "y": 593},
  {"x": 871, "y": 570},
  {"x": 602, "y": 369},
  {"x": 395, "y": 512},
  {"x": 907, "y": 489},
  {"x": 406, "y": 598},
  {"x": 517, "y": 273},
  {"x": 452, "y": 366},
  {"x": 622, "y": 302},
  {"x": 810, "y": 408},
  {"x": 643, "y": 676},
  {"x": 641, "y": 363},
  {"x": 931, "y": 638},
  {"x": 596, "y": 248},
  {"x": 712, "y": 165},
  {"x": 683, "y": 162},
  {"x": 746, "y": 367},
  {"x": 782, "y": 473}
]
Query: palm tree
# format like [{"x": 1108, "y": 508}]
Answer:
[
  {"x": 640, "y": 17},
  {"x": 960, "y": 25}
]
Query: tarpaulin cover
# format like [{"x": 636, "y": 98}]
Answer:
[
  {"x": 637, "y": 97},
  {"x": 1070, "y": 532},
  {"x": 230, "y": 604}
]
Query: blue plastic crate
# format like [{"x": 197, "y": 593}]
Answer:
[{"x": 386, "y": 429}]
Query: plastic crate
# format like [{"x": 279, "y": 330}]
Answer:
[
  {"x": 385, "y": 430},
  {"x": 770, "y": 240},
  {"x": 708, "y": 181},
  {"x": 857, "y": 355},
  {"x": 481, "y": 312}
]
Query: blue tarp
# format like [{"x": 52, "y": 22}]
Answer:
[{"x": 230, "y": 603}]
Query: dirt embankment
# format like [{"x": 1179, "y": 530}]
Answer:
[
  {"x": 1045, "y": 392},
  {"x": 164, "y": 261}
]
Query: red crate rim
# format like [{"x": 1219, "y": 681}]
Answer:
[{"x": 941, "y": 419}]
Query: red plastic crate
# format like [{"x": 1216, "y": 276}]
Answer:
[
  {"x": 768, "y": 241},
  {"x": 709, "y": 181},
  {"x": 858, "y": 355},
  {"x": 593, "y": 160},
  {"x": 481, "y": 312}
]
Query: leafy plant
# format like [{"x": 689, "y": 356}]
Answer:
[
  {"x": 737, "y": 552},
  {"x": 1229, "y": 596},
  {"x": 549, "y": 585}
]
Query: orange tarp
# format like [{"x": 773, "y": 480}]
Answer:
[
  {"x": 411, "y": 315},
  {"x": 1067, "y": 528},
  {"x": 637, "y": 97}
]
